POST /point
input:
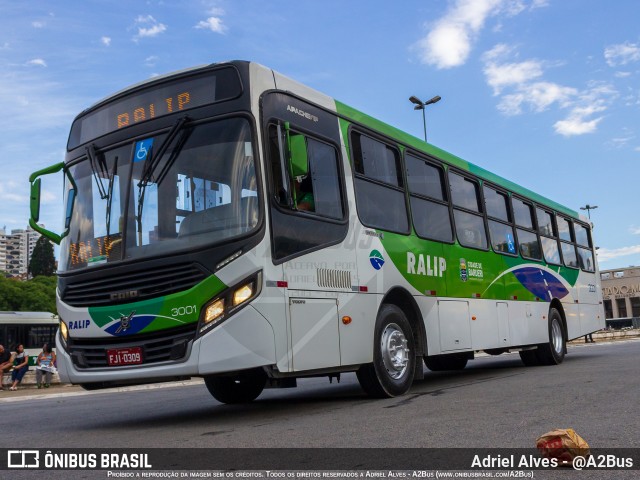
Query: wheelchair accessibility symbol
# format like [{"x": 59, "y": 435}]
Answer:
[{"x": 143, "y": 147}]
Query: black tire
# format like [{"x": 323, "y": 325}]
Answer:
[
  {"x": 242, "y": 387},
  {"x": 439, "y": 363},
  {"x": 552, "y": 352},
  {"x": 92, "y": 386},
  {"x": 530, "y": 358},
  {"x": 394, "y": 361}
]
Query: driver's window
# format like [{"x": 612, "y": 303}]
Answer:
[{"x": 318, "y": 190}]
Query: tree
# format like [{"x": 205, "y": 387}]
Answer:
[
  {"x": 37, "y": 295},
  {"x": 42, "y": 260}
]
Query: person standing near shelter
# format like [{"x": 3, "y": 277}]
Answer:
[
  {"x": 46, "y": 361},
  {"x": 20, "y": 366},
  {"x": 5, "y": 363}
]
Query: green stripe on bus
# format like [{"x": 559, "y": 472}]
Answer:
[{"x": 164, "y": 308}]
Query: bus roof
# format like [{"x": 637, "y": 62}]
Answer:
[{"x": 28, "y": 317}]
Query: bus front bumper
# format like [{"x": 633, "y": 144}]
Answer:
[{"x": 244, "y": 341}]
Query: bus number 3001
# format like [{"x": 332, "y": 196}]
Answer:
[{"x": 182, "y": 311}]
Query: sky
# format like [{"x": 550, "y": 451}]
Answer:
[{"x": 545, "y": 93}]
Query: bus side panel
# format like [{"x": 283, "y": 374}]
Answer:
[
  {"x": 485, "y": 327},
  {"x": 356, "y": 338},
  {"x": 572, "y": 317},
  {"x": 591, "y": 309},
  {"x": 244, "y": 341}
]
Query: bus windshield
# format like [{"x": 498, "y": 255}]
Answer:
[{"x": 129, "y": 204}]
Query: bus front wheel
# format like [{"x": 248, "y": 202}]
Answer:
[
  {"x": 394, "y": 361},
  {"x": 241, "y": 387}
]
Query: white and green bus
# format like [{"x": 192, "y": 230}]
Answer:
[
  {"x": 229, "y": 223},
  {"x": 30, "y": 329}
]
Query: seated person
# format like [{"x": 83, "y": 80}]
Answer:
[
  {"x": 304, "y": 195},
  {"x": 5, "y": 362}
]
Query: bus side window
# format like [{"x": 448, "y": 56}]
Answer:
[
  {"x": 379, "y": 185},
  {"x": 324, "y": 179},
  {"x": 567, "y": 242},
  {"x": 318, "y": 191},
  {"x": 525, "y": 229},
  {"x": 585, "y": 247},
  {"x": 428, "y": 197},
  {"x": 467, "y": 211},
  {"x": 548, "y": 236},
  {"x": 500, "y": 224}
]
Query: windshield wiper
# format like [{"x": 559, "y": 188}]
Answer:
[
  {"x": 152, "y": 164},
  {"x": 97, "y": 162},
  {"x": 110, "y": 196}
]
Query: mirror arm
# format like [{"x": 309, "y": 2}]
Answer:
[{"x": 35, "y": 201}]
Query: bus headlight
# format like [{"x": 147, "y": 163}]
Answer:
[
  {"x": 64, "y": 331},
  {"x": 228, "y": 302},
  {"x": 214, "y": 311},
  {"x": 242, "y": 294}
]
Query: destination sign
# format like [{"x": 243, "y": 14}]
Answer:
[{"x": 155, "y": 101}]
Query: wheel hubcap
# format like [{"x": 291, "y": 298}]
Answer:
[
  {"x": 395, "y": 354},
  {"x": 556, "y": 336}
]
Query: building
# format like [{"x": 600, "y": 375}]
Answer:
[
  {"x": 621, "y": 293},
  {"x": 16, "y": 249}
]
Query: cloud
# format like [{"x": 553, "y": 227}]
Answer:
[
  {"x": 595, "y": 99},
  {"x": 212, "y": 23},
  {"x": 522, "y": 82},
  {"x": 148, "y": 27},
  {"x": 634, "y": 230},
  {"x": 537, "y": 96},
  {"x": 38, "y": 24},
  {"x": 620, "y": 142},
  {"x": 151, "y": 61},
  {"x": 448, "y": 43},
  {"x": 37, "y": 62},
  {"x": 576, "y": 124},
  {"x": 605, "y": 254},
  {"x": 106, "y": 41},
  {"x": 521, "y": 85},
  {"x": 8, "y": 193},
  {"x": 509, "y": 74},
  {"x": 32, "y": 103},
  {"x": 451, "y": 38},
  {"x": 622, "y": 54}
]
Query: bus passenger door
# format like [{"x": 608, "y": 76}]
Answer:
[
  {"x": 314, "y": 333},
  {"x": 309, "y": 225}
]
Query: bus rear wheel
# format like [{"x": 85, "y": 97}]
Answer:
[
  {"x": 242, "y": 387},
  {"x": 552, "y": 353},
  {"x": 394, "y": 361}
]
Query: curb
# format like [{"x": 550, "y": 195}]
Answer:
[
  {"x": 604, "y": 335},
  {"x": 29, "y": 380}
]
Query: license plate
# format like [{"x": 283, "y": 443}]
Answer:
[{"x": 124, "y": 356}]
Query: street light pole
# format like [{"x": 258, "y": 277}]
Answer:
[
  {"x": 420, "y": 105},
  {"x": 588, "y": 208}
]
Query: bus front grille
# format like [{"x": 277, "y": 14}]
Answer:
[
  {"x": 129, "y": 286},
  {"x": 162, "y": 346}
]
